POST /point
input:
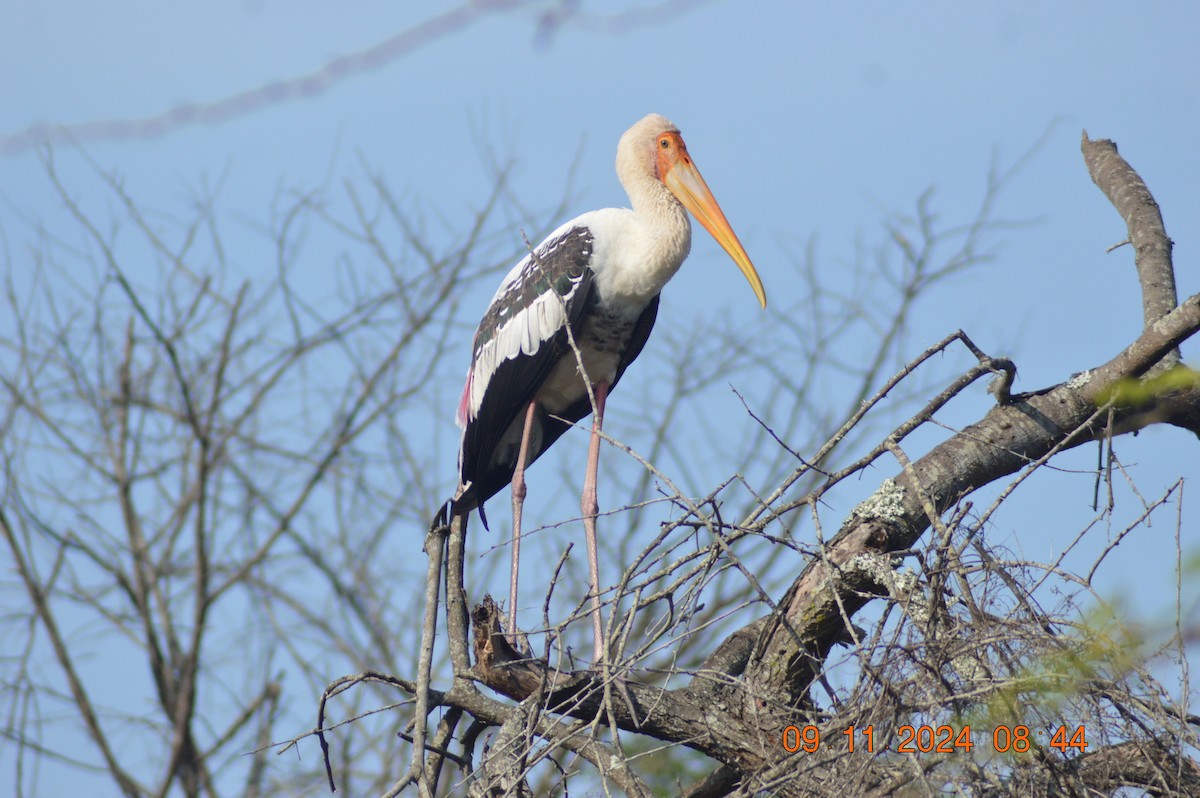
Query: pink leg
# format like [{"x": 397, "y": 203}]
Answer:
[
  {"x": 591, "y": 508},
  {"x": 518, "y": 501}
]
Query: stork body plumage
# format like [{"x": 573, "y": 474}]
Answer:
[{"x": 569, "y": 319}]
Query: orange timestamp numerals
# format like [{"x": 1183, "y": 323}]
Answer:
[
  {"x": 935, "y": 739},
  {"x": 808, "y": 738}
]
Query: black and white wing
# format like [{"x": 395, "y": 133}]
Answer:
[{"x": 522, "y": 336}]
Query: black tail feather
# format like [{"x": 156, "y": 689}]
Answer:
[{"x": 451, "y": 508}]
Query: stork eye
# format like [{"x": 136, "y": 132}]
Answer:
[{"x": 665, "y": 143}]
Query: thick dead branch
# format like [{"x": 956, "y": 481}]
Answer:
[
  {"x": 506, "y": 761},
  {"x": 1128, "y": 193},
  {"x": 1012, "y": 436}
]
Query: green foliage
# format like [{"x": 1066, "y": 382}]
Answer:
[
  {"x": 1103, "y": 649},
  {"x": 1131, "y": 392}
]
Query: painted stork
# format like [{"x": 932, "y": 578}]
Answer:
[{"x": 570, "y": 318}]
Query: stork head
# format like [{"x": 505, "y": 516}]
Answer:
[{"x": 654, "y": 147}]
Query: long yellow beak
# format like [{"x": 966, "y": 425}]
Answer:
[{"x": 683, "y": 179}]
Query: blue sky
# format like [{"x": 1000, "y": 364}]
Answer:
[{"x": 810, "y": 121}]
